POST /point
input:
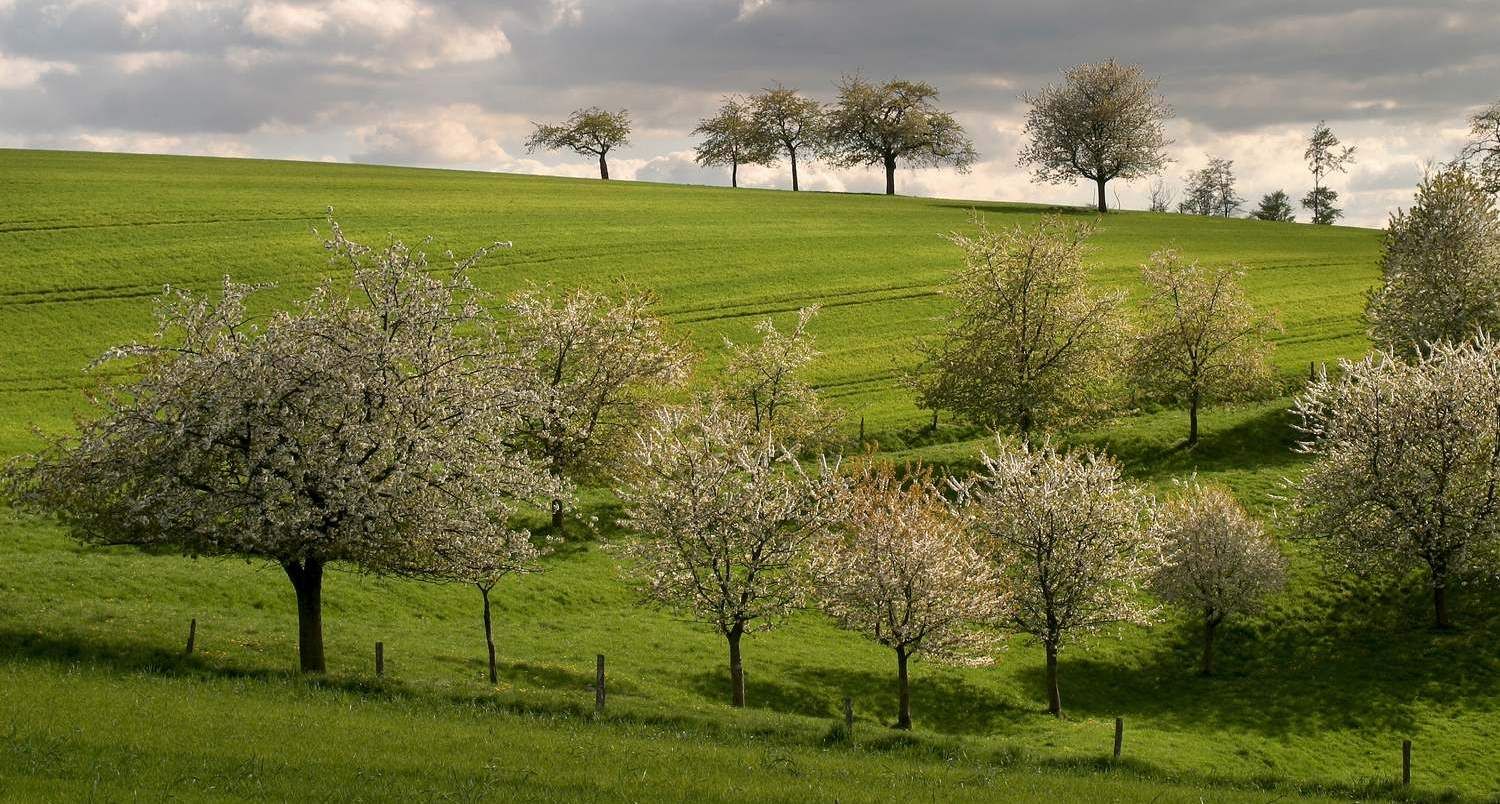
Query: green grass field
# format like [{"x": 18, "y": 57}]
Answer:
[{"x": 1314, "y": 696}]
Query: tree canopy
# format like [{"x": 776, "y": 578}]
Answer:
[
  {"x": 883, "y": 124},
  {"x": 587, "y": 132}
]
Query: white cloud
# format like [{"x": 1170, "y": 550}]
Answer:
[
  {"x": 748, "y": 8},
  {"x": 145, "y": 60},
  {"x": 284, "y": 22},
  {"x": 20, "y": 72},
  {"x": 461, "y": 135}
]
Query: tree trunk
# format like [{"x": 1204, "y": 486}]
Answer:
[
  {"x": 1210, "y": 629},
  {"x": 1194, "y": 397},
  {"x": 890, "y": 175},
  {"x": 903, "y": 711},
  {"x": 307, "y": 579},
  {"x": 793, "y": 152},
  {"x": 1023, "y": 424},
  {"x": 603, "y": 168},
  {"x": 1054, "y": 698},
  {"x": 736, "y": 670},
  {"x": 734, "y": 173},
  {"x": 489, "y": 634},
  {"x": 1103, "y": 206},
  {"x": 557, "y": 514},
  {"x": 1440, "y": 601}
]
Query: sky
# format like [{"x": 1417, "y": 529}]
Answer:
[{"x": 457, "y": 84}]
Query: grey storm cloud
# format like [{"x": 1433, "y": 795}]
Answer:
[{"x": 453, "y": 83}]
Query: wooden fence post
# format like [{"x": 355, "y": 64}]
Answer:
[
  {"x": 599, "y": 684},
  {"x": 1406, "y": 762},
  {"x": 849, "y": 716},
  {"x": 861, "y": 430},
  {"x": 192, "y": 636},
  {"x": 1119, "y": 736},
  {"x": 379, "y": 658}
]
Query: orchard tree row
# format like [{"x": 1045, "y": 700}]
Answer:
[{"x": 400, "y": 422}]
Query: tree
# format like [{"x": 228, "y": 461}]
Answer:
[
  {"x": 900, "y": 569},
  {"x": 373, "y": 433},
  {"x": 1275, "y": 206},
  {"x": 1161, "y": 195},
  {"x": 596, "y": 363},
  {"x": 732, "y": 138},
  {"x": 762, "y": 380},
  {"x": 725, "y": 518},
  {"x": 1406, "y": 462},
  {"x": 882, "y": 124},
  {"x": 1070, "y": 537},
  {"x": 1210, "y": 190},
  {"x": 792, "y": 122},
  {"x": 1027, "y": 342},
  {"x": 485, "y": 562},
  {"x": 1440, "y": 267},
  {"x": 1218, "y": 561},
  {"x": 1482, "y": 152},
  {"x": 1104, "y": 121},
  {"x": 586, "y": 132},
  {"x": 1200, "y": 339},
  {"x": 1325, "y": 157}
]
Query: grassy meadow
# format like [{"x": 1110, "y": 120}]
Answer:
[{"x": 1313, "y": 697}]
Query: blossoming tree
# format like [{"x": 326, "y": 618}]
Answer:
[
  {"x": 900, "y": 568},
  {"x": 366, "y": 426}
]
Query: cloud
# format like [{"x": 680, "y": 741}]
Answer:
[
  {"x": 20, "y": 72},
  {"x": 285, "y": 22}
]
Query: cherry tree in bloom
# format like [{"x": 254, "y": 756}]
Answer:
[
  {"x": 764, "y": 380},
  {"x": 900, "y": 569},
  {"x": 1070, "y": 537},
  {"x": 368, "y": 425},
  {"x": 1406, "y": 463},
  {"x": 484, "y": 561},
  {"x": 724, "y": 518},
  {"x": 598, "y": 361},
  {"x": 1218, "y": 561}
]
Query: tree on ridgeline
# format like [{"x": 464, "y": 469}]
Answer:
[
  {"x": 1029, "y": 342},
  {"x": 1210, "y": 190},
  {"x": 731, "y": 137},
  {"x": 763, "y": 380},
  {"x": 1275, "y": 206},
  {"x": 587, "y": 132},
  {"x": 898, "y": 121},
  {"x": 1200, "y": 340},
  {"x": 724, "y": 517},
  {"x": 1071, "y": 538},
  {"x": 1104, "y": 121},
  {"x": 1405, "y": 465},
  {"x": 1325, "y": 156},
  {"x": 1218, "y": 562},
  {"x": 1440, "y": 267},
  {"x": 370, "y": 425},
  {"x": 1482, "y": 151},
  {"x": 900, "y": 568},
  {"x": 597, "y": 363},
  {"x": 1161, "y": 196},
  {"x": 790, "y": 120}
]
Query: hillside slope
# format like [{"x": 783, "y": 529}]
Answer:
[{"x": 1316, "y": 694}]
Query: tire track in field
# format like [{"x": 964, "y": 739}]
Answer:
[{"x": 144, "y": 224}]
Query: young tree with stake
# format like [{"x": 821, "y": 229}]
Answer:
[
  {"x": 725, "y": 517},
  {"x": 485, "y": 562},
  {"x": 1028, "y": 342},
  {"x": 732, "y": 138},
  {"x": 1218, "y": 561},
  {"x": 1440, "y": 266},
  {"x": 1200, "y": 339},
  {"x": 1103, "y": 122},
  {"x": 1071, "y": 538},
  {"x": 1406, "y": 463},
  {"x": 900, "y": 568},
  {"x": 587, "y": 132},
  {"x": 369, "y": 426},
  {"x": 884, "y": 124},
  {"x": 793, "y": 122},
  {"x": 597, "y": 362}
]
